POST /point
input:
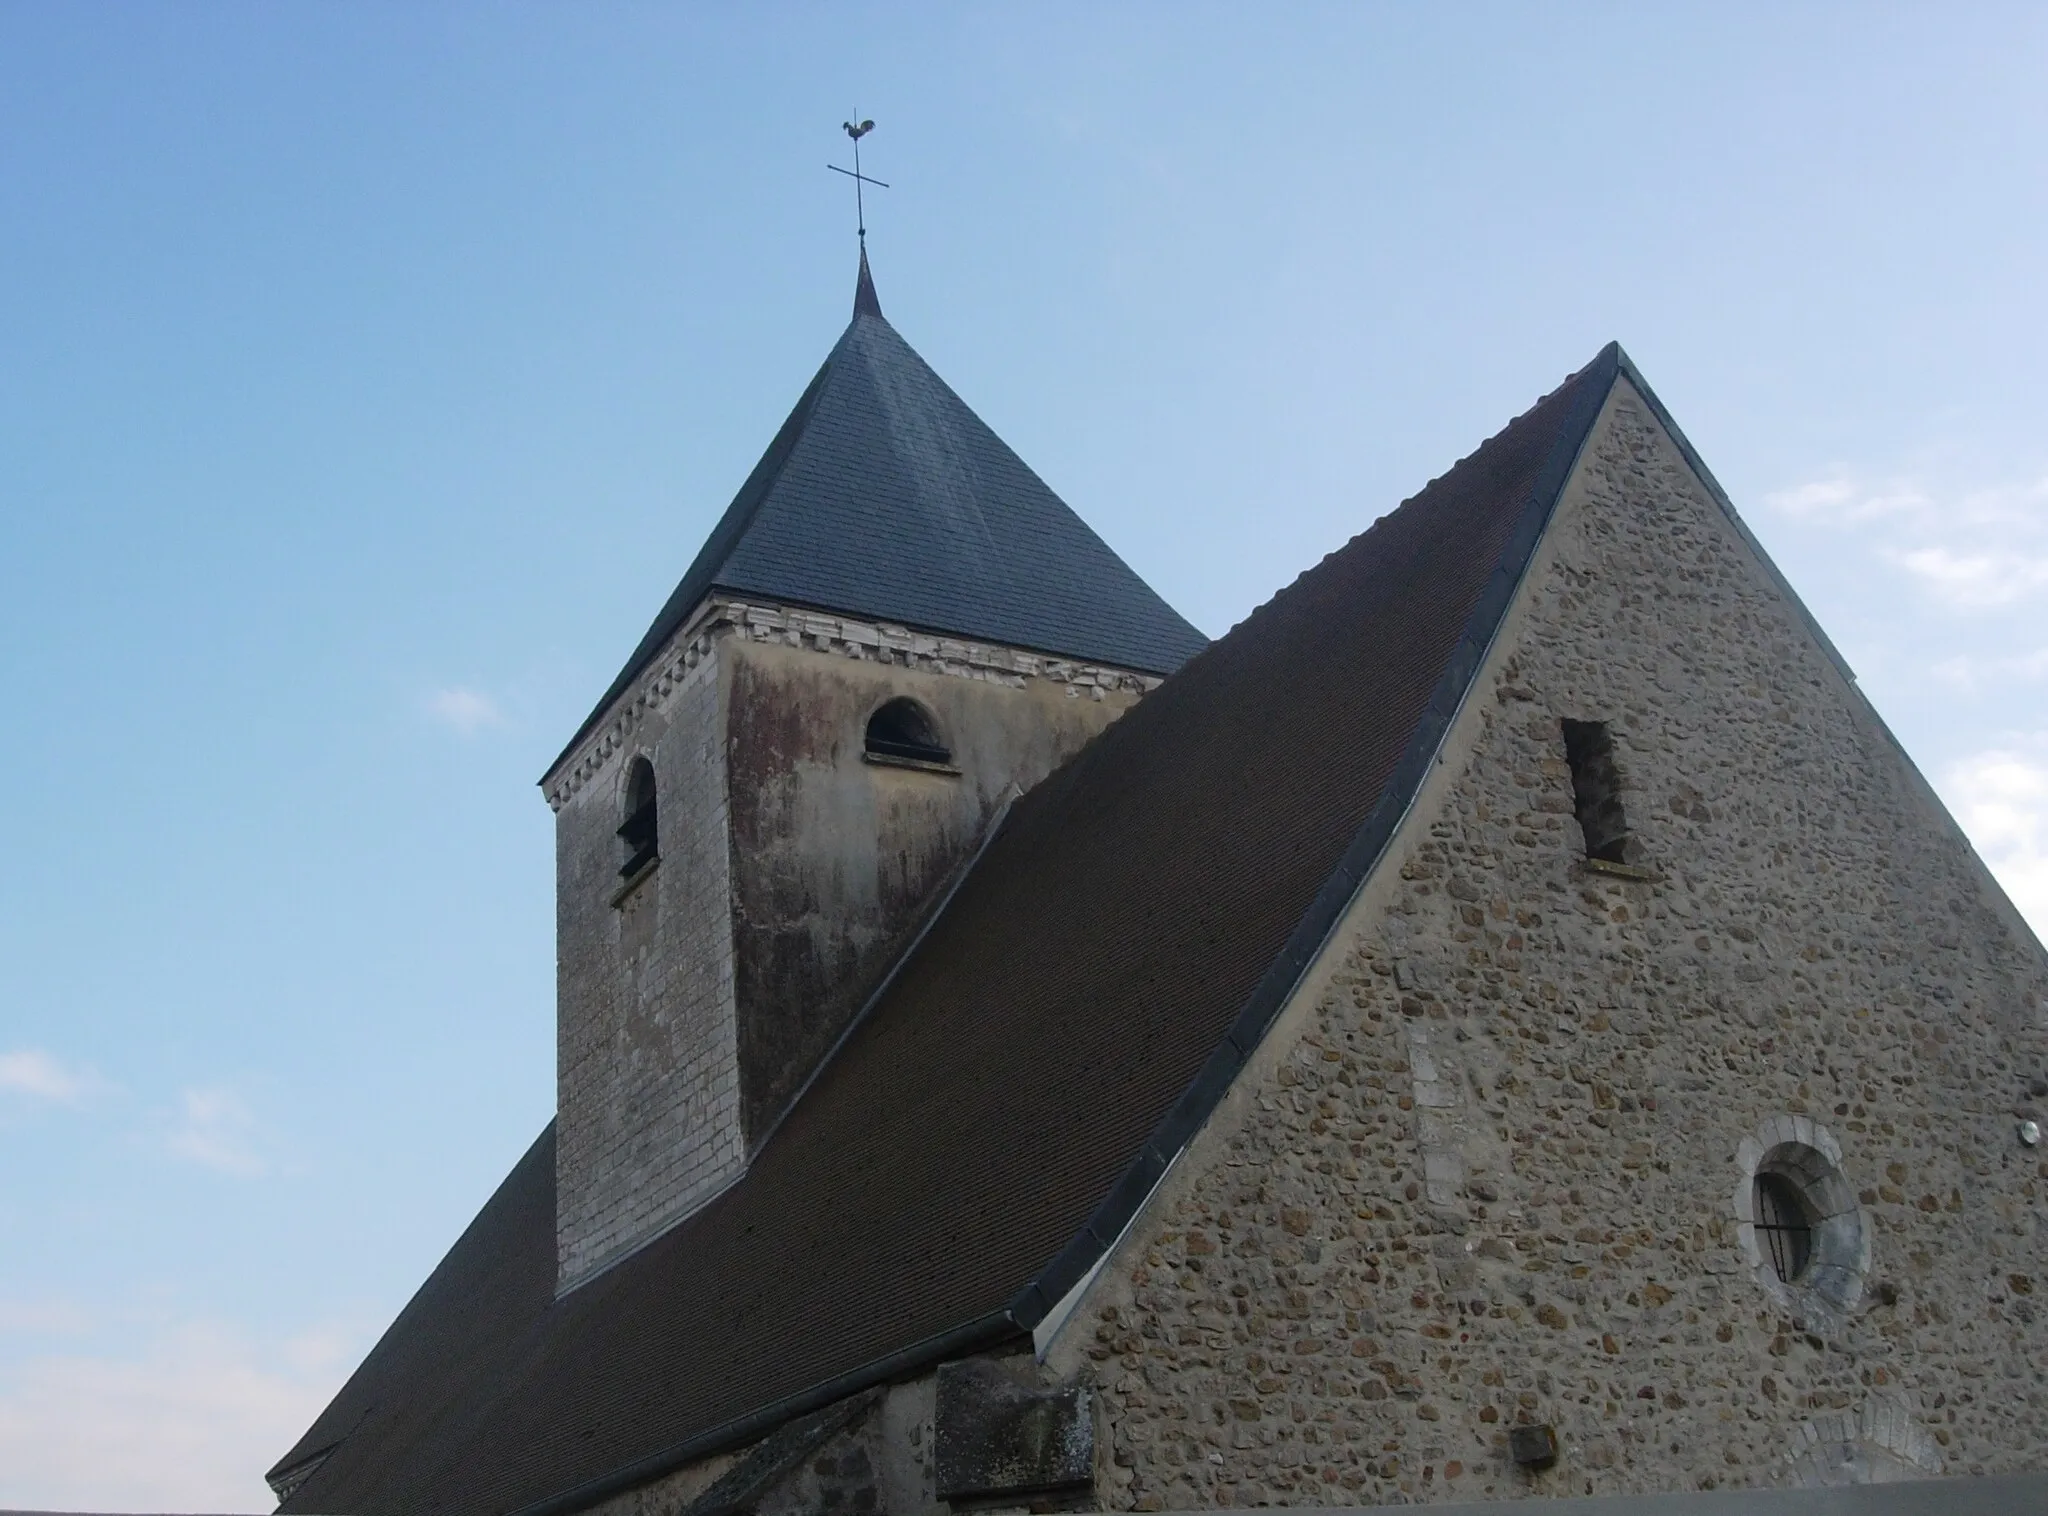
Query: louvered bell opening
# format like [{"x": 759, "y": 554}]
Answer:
[
  {"x": 638, "y": 835},
  {"x": 904, "y": 729},
  {"x": 639, "y": 832}
]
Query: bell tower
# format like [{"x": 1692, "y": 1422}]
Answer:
[{"x": 894, "y": 627}]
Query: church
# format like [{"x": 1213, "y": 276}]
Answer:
[{"x": 1506, "y": 1021}]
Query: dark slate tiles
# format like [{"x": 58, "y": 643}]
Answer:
[{"x": 884, "y": 496}]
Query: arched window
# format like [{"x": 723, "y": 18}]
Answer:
[
  {"x": 904, "y": 729},
  {"x": 638, "y": 832}
]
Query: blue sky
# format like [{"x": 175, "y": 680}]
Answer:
[{"x": 369, "y": 373}]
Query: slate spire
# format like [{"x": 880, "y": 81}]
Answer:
[
  {"x": 864, "y": 301},
  {"x": 883, "y": 496}
]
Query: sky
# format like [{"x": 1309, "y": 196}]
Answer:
[{"x": 370, "y": 373}]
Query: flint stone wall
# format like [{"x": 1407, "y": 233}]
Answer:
[{"x": 1480, "y": 1175}]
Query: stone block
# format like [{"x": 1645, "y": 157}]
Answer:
[
  {"x": 995, "y": 1433},
  {"x": 1533, "y": 1447}
]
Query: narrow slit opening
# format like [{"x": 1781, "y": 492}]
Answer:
[{"x": 1596, "y": 789}]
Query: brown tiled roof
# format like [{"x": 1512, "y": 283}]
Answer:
[{"x": 1062, "y": 1029}]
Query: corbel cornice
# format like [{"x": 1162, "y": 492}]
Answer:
[{"x": 687, "y": 658}]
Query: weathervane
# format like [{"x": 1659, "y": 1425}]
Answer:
[{"x": 860, "y": 210}]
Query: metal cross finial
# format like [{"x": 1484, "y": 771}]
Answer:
[{"x": 858, "y": 130}]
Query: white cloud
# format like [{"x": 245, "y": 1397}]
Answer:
[
  {"x": 1971, "y": 547},
  {"x": 464, "y": 710},
  {"x": 216, "y": 1131},
  {"x": 2001, "y": 799},
  {"x": 1974, "y": 579},
  {"x": 1973, "y": 673},
  {"x": 189, "y": 1422},
  {"x": 43, "y": 1318},
  {"x": 1840, "y": 496},
  {"x": 1961, "y": 671},
  {"x": 36, "y": 1074}
]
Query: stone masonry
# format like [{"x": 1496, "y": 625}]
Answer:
[
  {"x": 647, "y": 1101},
  {"x": 693, "y": 1003},
  {"x": 1480, "y": 1174}
]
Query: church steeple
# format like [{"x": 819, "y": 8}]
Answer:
[
  {"x": 864, "y": 301},
  {"x": 884, "y": 496},
  {"x": 894, "y": 627}
]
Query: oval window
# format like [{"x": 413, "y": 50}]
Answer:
[{"x": 1785, "y": 1225}]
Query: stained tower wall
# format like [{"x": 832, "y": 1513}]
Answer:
[
  {"x": 794, "y": 870},
  {"x": 646, "y": 1067},
  {"x": 838, "y": 856}
]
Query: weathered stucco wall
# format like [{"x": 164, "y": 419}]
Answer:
[
  {"x": 647, "y": 1092},
  {"x": 836, "y": 858},
  {"x": 791, "y": 872},
  {"x": 1486, "y": 1171}
]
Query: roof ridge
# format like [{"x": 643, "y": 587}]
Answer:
[
  {"x": 1608, "y": 354},
  {"x": 1360, "y": 859}
]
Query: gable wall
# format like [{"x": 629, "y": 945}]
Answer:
[{"x": 1484, "y": 1170}]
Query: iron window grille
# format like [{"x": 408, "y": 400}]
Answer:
[{"x": 1785, "y": 1225}]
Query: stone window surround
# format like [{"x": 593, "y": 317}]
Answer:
[
  {"x": 1807, "y": 1154},
  {"x": 629, "y": 885},
  {"x": 842, "y": 636},
  {"x": 940, "y": 763},
  {"x": 1834, "y": 1449}
]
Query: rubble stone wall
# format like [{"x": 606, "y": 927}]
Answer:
[{"x": 1493, "y": 1167}]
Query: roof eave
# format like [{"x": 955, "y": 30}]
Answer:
[
  {"x": 975, "y": 1336},
  {"x": 720, "y": 592}
]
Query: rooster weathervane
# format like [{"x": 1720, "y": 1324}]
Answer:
[{"x": 858, "y": 130}]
